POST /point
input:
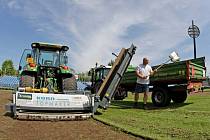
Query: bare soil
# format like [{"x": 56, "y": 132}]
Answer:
[{"x": 60, "y": 130}]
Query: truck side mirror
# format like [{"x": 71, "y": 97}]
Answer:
[{"x": 65, "y": 59}]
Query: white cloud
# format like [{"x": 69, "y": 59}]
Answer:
[
  {"x": 98, "y": 28},
  {"x": 40, "y": 30},
  {"x": 13, "y": 4}
]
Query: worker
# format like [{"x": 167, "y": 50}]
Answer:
[
  {"x": 29, "y": 58},
  {"x": 143, "y": 72}
]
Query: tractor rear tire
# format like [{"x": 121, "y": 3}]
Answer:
[
  {"x": 69, "y": 83},
  {"x": 27, "y": 81}
]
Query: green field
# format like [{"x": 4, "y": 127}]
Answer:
[{"x": 189, "y": 120}]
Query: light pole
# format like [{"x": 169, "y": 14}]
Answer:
[{"x": 194, "y": 32}]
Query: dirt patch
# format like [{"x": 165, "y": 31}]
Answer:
[{"x": 65, "y": 130}]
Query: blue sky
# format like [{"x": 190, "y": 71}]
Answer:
[{"x": 95, "y": 28}]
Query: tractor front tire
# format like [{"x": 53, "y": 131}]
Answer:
[
  {"x": 27, "y": 81},
  {"x": 69, "y": 83},
  {"x": 120, "y": 94}
]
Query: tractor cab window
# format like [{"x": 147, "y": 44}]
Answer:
[
  {"x": 63, "y": 58},
  {"x": 35, "y": 51},
  {"x": 98, "y": 75},
  {"x": 27, "y": 55},
  {"x": 49, "y": 58},
  {"x": 101, "y": 73},
  {"x": 106, "y": 71}
]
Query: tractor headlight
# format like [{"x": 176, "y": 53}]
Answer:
[{"x": 34, "y": 45}]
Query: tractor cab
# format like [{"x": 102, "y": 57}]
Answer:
[
  {"x": 98, "y": 74},
  {"x": 50, "y": 55},
  {"x": 101, "y": 72},
  {"x": 46, "y": 55},
  {"x": 45, "y": 66}
]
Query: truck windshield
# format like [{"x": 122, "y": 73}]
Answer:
[{"x": 49, "y": 58}]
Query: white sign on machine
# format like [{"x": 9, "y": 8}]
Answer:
[{"x": 52, "y": 100}]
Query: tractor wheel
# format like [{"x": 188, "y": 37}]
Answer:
[
  {"x": 27, "y": 81},
  {"x": 160, "y": 97},
  {"x": 120, "y": 94},
  {"x": 69, "y": 83},
  {"x": 179, "y": 97}
]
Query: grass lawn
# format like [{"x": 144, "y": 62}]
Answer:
[{"x": 189, "y": 120}]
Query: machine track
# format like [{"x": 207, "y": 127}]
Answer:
[{"x": 43, "y": 116}]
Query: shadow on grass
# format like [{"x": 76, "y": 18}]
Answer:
[
  {"x": 98, "y": 113},
  {"x": 150, "y": 106}
]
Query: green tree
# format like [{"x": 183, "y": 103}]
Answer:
[
  {"x": 84, "y": 77},
  {"x": 0, "y": 72},
  {"x": 8, "y": 68}
]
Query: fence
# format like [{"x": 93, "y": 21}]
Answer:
[
  {"x": 83, "y": 85},
  {"x": 8, "y": 82},
  {"x": 11, "y": 82}
]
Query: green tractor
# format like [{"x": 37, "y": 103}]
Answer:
[
  {"x": 98, "y": 74},
  {"x": 44, "y": 69}
]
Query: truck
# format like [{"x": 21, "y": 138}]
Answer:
[
  {"x": 171, "y": 82},
  {"x": 48, "y": 90}
]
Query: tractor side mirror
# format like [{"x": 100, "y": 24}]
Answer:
[
  {"x": 65, "y": 59},
  {"x": 20, "y": 68},
  {"x": 89, "y": 73}
]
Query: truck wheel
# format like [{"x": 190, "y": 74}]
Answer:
[
  {"x": 69, "y": 83},
  {"x": 160, "y": 97},
  {"x": 179, "y": 97},
  {"x": 27, "y": 81}
]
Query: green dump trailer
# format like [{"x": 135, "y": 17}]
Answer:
[{"x": 172, "y": 82}]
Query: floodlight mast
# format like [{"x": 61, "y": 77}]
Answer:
[{"x": 194, "y": 32}]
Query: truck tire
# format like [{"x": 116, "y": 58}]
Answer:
[
  {"x": 69, "y": 83},
  {"x": 27, "y": 81},
  {"x": 179, "y": 97},
  {"x": 160, "y": 97}
]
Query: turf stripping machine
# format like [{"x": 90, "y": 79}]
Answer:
[{"x": 47, "y": 87}]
